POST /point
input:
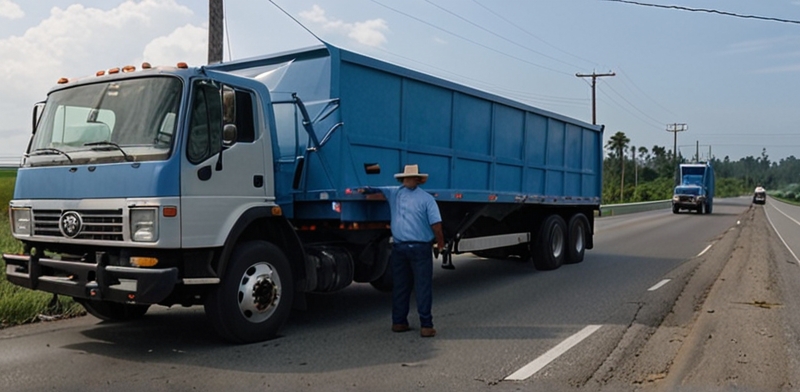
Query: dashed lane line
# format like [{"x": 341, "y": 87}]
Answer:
[{"x": 659, "y": 285}]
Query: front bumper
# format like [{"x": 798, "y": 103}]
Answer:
[{"x": 98, "y": 280}]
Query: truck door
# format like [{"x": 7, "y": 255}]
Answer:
[{"x": 220, "y": 179}]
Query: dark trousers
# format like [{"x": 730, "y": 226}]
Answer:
[{"x": 412, "y": 268}]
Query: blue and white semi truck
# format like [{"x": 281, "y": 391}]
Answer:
[
  {"x": 235, "y": 185},
  {"x": 696, "y": 189}
]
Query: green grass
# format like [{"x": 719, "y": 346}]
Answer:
[{"x": 19, "y": 305}]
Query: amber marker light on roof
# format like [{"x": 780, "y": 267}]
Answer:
[
  {"x": 100, "y": 73},
  {"x": 113, "y": 71},
  {"x": 146, "y": 65},
  {"x": 63, "y": 81},
  {"x": 128, "y": 68},
  {"x": 183, "y": 65}
]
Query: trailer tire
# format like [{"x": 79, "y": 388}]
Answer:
[
  {"x": 254, "y": 298},
  {"x": 551, "y": 244},
  {"x": 384, "y": 282},
  {"x": 576, "y": 238},
  {"x": 113, "y": 311}
]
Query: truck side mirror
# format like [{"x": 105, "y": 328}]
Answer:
[{"x": 229, "y": 135}]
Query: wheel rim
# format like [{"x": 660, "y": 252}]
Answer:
[
  {"x": 259, "y": 292},
  {"x": 556, "y": 241}
]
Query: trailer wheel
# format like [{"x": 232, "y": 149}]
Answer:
[
  {"x": 576, "y": 239},
  {"x": 551, "y": 244},
  {"x": 254, "y": 298},
  {"x": 113, "y": 311},
  {"x": 384, "y": 282}
]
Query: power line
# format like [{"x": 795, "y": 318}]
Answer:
[
  {"x": 711, "y": 11},
  {"x": 625, "y": 77},
  {"x": 467, "y": 39},
  {"x": 531, "y": 34},
  {"x": 498, "y": 35}
]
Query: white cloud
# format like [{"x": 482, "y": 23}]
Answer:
[
  {"x": 187, "y": 44},
  {"x": 369, "y": 32},
  {"x": 78, "y": 41},
  {"x": 10, "y": 10}
]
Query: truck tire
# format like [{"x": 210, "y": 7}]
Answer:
[
  {"x": 550, "y": 247},
  {"x": 701, "y": 209},
  {"x": 709, "y": 207},
  {"x": 113, "y": 311},
  {"x": 254, "y": 298},
  {"x": 675, "y": 209},
  {"x": 578, "y": 230}
]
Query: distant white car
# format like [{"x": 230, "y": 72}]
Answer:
[{"x": 759, "y": 196}]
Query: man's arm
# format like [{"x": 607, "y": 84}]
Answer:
[
  {"x": 437, "y": 232},
  {"x": 371, "y": 193}
]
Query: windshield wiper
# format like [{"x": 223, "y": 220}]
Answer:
[
  {"x": 50, "y": 151},
  {"x": 114, "y": 146}
]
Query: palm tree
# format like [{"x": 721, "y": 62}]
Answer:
[{"x": 619, "y": 143}]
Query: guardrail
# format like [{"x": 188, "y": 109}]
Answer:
[{"x": 627, "y": 208}]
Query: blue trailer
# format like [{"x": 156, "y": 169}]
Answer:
[
  {"x": 233, "y": 185},
  {"x": 696, "y": 189}
]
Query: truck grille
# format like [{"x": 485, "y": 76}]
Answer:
[{"x": 104, "y": 225}]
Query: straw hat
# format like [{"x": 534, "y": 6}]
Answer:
[{"x": 412, "y": 171}]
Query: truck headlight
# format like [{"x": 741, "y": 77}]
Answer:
[
  {"x": 144, "y": 224},
  {"x": 21, "y": 220},
  {"x": 676, "y": 198}
]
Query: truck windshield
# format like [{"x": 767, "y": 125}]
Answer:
[
  {"x": 687, "y": 190},
  {"x": 117, "y": 121}
]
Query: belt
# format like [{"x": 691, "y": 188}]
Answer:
[{"x": 414, "y": 243}]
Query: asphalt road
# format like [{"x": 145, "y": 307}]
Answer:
[{"x": 502, "y": 326}]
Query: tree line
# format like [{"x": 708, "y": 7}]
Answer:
[{"x": 636, "y": 173}]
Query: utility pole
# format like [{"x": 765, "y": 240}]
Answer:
[
  {"x": 697, "y": 151},
  {"x": 215, "y": 31},
  {"x": 594, "y": 77},
  {"x": 675, "y": 128}
]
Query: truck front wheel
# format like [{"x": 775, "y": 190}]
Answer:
[
  {"x": 254, "y": 298},
  {"x": 113, "y": 311},
  {"x": 550, "y": 246}
]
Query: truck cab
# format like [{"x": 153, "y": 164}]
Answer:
[{"x": 696, "y": 190}]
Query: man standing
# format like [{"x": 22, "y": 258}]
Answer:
[{"x": 416, "y": 222}]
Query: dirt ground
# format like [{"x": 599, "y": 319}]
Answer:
[{"x": 733, "y": 327}]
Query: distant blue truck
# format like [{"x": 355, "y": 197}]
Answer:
[
  {"x": 235, "y": 185},
  {"x": 696, "y": 189}
]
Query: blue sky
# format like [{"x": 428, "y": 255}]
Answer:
[{"x": 735, "y": 82}]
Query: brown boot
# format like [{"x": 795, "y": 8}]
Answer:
[
  {"x": 427, "y": 332},
  {"x": 400, "y": 328}
]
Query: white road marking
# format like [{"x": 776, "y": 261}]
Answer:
[
  {"x": 555, "y": 352},
  {"x": 659, "y": 284},
  {"x": 766, "y": 212},
  {"x": 704, "y": 250}
]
